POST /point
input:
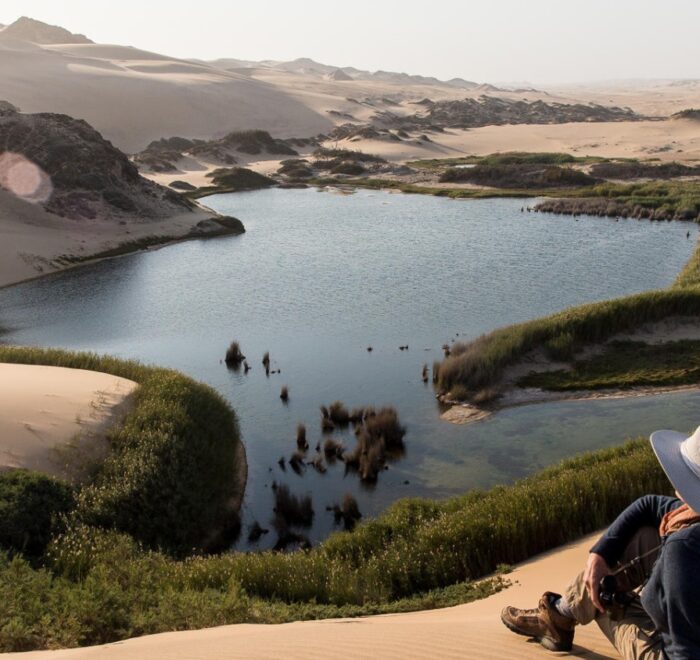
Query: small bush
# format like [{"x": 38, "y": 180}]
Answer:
[{"x": 31, "y": 506}]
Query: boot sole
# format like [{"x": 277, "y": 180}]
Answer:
[{"x": 546, "y": 642}]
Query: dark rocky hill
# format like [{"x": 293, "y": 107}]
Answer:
[{"x": 84, "y": 175}]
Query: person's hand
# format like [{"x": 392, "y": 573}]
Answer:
[{"x": 596, "y": 570}]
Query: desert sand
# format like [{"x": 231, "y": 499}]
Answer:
[
  {"x": 31, "y": 238},
  {"x": 133, "y": 96},
  {"x": 54, "y": 420},
  {"x": 473, "y": 631}
]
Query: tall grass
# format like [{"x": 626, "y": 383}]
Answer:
[
  {"x": 625, "y": 364},
  {"x": 481, "y": 363},
  {"x": 114, "y": 589}
]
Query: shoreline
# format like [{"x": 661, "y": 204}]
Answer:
[
  {"x": 145, "y": 244},
  {"x": 462, "y": 414}
]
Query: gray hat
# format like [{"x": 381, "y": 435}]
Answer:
[{"x": 679, "y": 456}]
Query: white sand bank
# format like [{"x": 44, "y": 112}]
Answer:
[
  {"x": 54, "y": 420},
  {"x": 473, "y": 631}
]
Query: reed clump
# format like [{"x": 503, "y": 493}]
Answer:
[
  {"x": 292, "y": 509},
  {"x": 234, "y": 356},
  {"x": 333, "y": 449},
  {"x": 337, "y": 413},
  {"x": 302, "y": 442},
  {"x": 348, "y": 512}
]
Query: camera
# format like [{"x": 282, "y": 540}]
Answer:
[{"x": 610, "y": 594}]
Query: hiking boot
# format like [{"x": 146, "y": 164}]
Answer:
[{"x": 550, "y": 628}]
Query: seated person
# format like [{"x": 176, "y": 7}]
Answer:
[{"x": 653, "y": 550}]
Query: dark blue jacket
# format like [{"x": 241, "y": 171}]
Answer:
[{"x": 671, "y": 597}]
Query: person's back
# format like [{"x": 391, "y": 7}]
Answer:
[{"x": 671, "y": 597}]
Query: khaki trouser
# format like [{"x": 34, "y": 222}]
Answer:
[{"x": 632, "y": 631}]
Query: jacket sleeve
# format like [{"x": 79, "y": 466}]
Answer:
[
  {"x": 680, "y": 588},
  {"x": 647, "y": 511}
]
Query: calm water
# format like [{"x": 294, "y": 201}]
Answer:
[{"x": 321, "y": 276}]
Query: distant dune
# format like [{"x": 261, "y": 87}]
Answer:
[{"x": 133, "y": 97}]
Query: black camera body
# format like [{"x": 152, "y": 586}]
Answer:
[{"x": 611, "y": 596}]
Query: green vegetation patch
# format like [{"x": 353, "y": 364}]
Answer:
[
  {"x": 529, "y": 176},
  {"x": 506, "y": 158},
  {"x": 626, "y": 364},
  {"x": 101, "y": 586},
  {"x": 479, "y": 364},
  {"x": 30, "y": 508},
  {"x": 656, "y": 200},
  {"x": 640, "y": 170},
  {"x": 173, "y": 466}
]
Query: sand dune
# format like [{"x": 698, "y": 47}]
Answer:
[
  {"x": 32, "y": 238},
  {"x": 471, "y": 631},
  {"x": 132, "y": 96},
  {"x": 54, "y": 420}
]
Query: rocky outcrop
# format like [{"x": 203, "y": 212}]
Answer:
[
  {"x": 489, "y": 111},
  {"x": 690, "y": 113},
  {"x": 68, "y": 167},
  {"x": 28, "y": 29},
  {"x": 163, "y": 155},
  {"x": 339, "y": 76}
]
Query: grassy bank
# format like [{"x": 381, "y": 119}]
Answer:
[
  {"x": 656, "y": 200},
  {"x": 480, "y": 364},
  {"x": 625, "y": 364},
  {"x": 173, "y": 469},
  {"x": 98, "y": 586}
]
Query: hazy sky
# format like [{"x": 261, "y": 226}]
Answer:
[{"x": 486, "y": 40}]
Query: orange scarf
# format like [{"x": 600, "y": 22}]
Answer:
[{"x": 678, "y": 519}]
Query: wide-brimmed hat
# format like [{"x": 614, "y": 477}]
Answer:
[{"x": 679, "y": 456}]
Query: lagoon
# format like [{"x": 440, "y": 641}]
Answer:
[{"x": 319, "y": 277}]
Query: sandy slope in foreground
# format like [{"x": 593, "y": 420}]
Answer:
[
  {"x": 471, "y": 631},
  {"x": 54, "y": 420}
]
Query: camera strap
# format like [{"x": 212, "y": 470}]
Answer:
[{"x": 633, "y": 563}]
